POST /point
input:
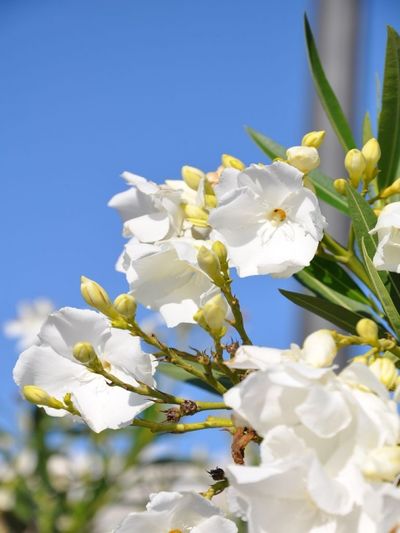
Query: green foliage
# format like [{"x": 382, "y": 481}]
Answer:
[
  {"x": 326, "y": 95},
  {"x": 389, "y": 119}
]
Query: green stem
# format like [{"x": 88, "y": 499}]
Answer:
[
  {"x": 145, "y": 390},
  {"x": 238, "y": 323},
  {"x": 178, "y": 427}
]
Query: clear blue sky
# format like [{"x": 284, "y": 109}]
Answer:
[{"x": 89, "y": 88}]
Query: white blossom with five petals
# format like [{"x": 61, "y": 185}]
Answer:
[
  {"x": 269, "y": 221},
  {"x": 50, "y": 365}
]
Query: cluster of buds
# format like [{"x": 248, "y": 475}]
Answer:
[
  {"x": 40, "y": 397},
  {"x": 214, "y": 262},
  {"x": 361, "y": 165},
  {"x": 203, "y": 183},
  {"x": 123, "y": 307},
  {"x": 306, "y": 157}
]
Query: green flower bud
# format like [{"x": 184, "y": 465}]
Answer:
[
  {"x": 192, "y": 176},
  {"x": 355, "y": 165},
  {"x": 126, "y": 305},
  {"x": 372, "y": 153},
  {"x": 228, "y": 161},
  {"x": 368, "y": 330},
  {"x": 340, "y": 186},
  {"x": 209, "y": 263},
  {"x": 38, "y": 396},
  {"x": 95, "y": 296},
  {"x": 84, "y": 353},
  {"x": 196, "y": 215},
  {"x": 313, "y": 139},
  {"x": 386, "y": 371},
  {"x": 304, "y": 158}
]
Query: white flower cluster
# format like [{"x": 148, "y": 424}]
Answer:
[
  {"x": 330, "y": 455},
  {"x": 269, "y": 222}
]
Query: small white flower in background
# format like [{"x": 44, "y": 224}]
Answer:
[
  {"x": 166, "y": 277},
  {"x": 50, "y": 365},
  {"x": 291, "y": 491},
  {"x": 150, "y": 212},
  {"x": 387, "y": 256},
  {"x": 26, "y": 326},
  {"x": 173, "y": 511},
  {"x": 270, "y": 223}
]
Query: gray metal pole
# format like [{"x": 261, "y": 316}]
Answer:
[{"x": 338, "y": 34}]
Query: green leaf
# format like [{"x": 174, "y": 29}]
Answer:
[
  {"x": 367, "y": 132},
  {"x": 391, "y": 312},
  {"x": 322, "y": 183},
  {"x": 341, "y": 317},
  {"x": 326, "y": 95},
  {"x": 364, "y": 219},
  {"x": 330, "y": 281},
  {"x": 389, "y": 119}
]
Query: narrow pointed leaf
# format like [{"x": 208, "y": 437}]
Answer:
[
  {"x": 389, "y": 119},
  {"x": 342, "y": 318},
  {"x": 330, "y": 281},
  {"x": 364, "y": 219},
  {"x": 322, "y": 183},
  {"x": 391, "y": 312},
  {"x": 367, "y": 132},
  {"x": 326, "y": 95}
]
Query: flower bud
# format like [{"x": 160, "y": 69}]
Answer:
[
  {"x": 355, "y": 165},
  {"x": 126, "y": 305},
  {"x": 392, "y": 189},
  {"x": 340, "y": 186},
  {"x": 212, "y": 316},
  {"x": 319, "y": 349},
  {"x": 386, "y": 371},
  {"x": 372, "y": 153},
  {"x": 95, "y": 296},
  {"x": 196, "y": 215},
  {"x": 192, "y": 176},
  {"x": 38, "y": 396},
  {"x": 304, "y": 158},
  {"x": 368, "y": 330},
  {"x": 313, "y": 139},
  {"x": 209, "y": 263},
  {"x": 228, "y": 161},
  {"x": 84, "y": 353},
  {"x": 221, "y": 252},
  {"x": 382, "y": 464}
]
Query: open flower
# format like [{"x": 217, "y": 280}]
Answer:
[
  {"x": 173, "y": 511},
  {"x": 166, "y": 277},
  {"x": 387, "y": 256},
  {"x": 50, "y": 365},
  {"x": 291, "y": 491},
  {"x": 342, "y": 417},
  {"x": 150, "y": 212},
  {"x": 270, "y": 223}
]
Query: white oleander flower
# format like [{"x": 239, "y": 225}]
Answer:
[
  {"x": 26, "y": 326},
  {"x": 177, "y": 512},
  {"x": 269, "y": 222},
  {"x": 342, "y": 417},
  {"x": 166, "y": 277},
  {"x": 291, "y": 491},
  {"x": 150, "y": 212},
  {"x": 50, "y": 365},
  {"x": 387, "y": 256}
]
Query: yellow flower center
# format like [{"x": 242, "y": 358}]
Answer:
[{"x": 277, "y": 215}]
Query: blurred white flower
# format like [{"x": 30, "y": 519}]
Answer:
[
  {"x": 387, "y": 256},
  {"x": 50, "y": 365},
  {"x": 150, "y": 212},
  {"x": 166, "y": 277},
  {"x": 270, "y": 223},
  {"x": 26, "y": 326},
  {"x": 174, "y": 511}
]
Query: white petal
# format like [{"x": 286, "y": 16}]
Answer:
[{"x": 64, "y": 328}]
